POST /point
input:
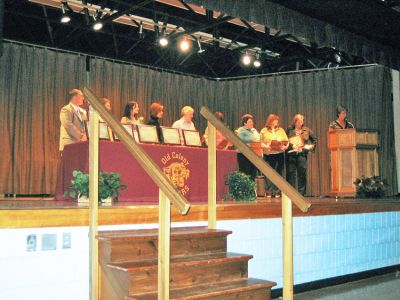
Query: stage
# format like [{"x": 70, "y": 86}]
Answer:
[{"x": 34, "y": 213}]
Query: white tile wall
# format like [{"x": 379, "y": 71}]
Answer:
[{"x": 324, "y": 247}]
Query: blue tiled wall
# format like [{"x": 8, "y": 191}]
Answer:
[{"x": 323, "y": 246}]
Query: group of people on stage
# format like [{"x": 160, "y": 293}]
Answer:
[
  {"x": 73, "y": 117},
  {"x": 276, "y": 144},
  {"x": 280, "y": 147}
]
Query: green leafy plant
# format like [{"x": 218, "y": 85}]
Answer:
[
  {"x": 109, "y": 185},
  {"x": 371, "y": 187},
  {"x": 241, "y": 187}
]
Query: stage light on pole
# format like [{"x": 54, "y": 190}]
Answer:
[
  {"x": 65, "y": 18},
  {"x": 257, "y": 61},
  {"x": 201, "y": 50},
  {"x": 185, "y": 45},
  {"x": 163, "y": 41},
  {"x": 97, "y": 25},
  {"x": 246, "y": 59},
  {"x": 141, "y": 29}
]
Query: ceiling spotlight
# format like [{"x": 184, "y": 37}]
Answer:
[
  {"x": 184, "y": 45},
  {"x": 163, "y": 41},
  {"x": 246, "y": 59},
  {"x": 65, "y": 18},
  {"x": 97, "y": 25},
  {"x": 338, "y": 59},
  {"x": 257, "y": 61},
  {"x": 201, "y": 50}
]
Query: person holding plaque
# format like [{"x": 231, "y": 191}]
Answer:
[
  {"x": 341, "y": 122},
  {"x": 156, "y": 113},
  {"x": 301, "y": 141},
  {"x": 222, "y": 142},
  {"x": 274, "y": 142},
  {"x": 248, "y": 134},
  {"x": 131, "y": 114},
  {"x": 72, "y": 118}
]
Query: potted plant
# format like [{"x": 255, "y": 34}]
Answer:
[
  {"x": 371, "y": 187},
  {"x": 241, "y": 187},
  {"x": 109, "y": 186}
]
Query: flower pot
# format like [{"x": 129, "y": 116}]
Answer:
[
  {"x": 106, "y": 201},
  {"x": 83, "y": 199}
]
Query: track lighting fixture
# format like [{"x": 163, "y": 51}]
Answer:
[
  {"x": 201, "y": 50},
  {"x": 140, "y": 29},
  {"x": 66, "y": 16},
  {"x": 185, "y": 44},
  {"x": 257, "y": 61},
  {"x": 97, "y": 25},
  {"x": 163, "y": 41},
  {"x": 246, "y": 59}
]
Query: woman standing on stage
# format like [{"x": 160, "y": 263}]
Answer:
[
  {"x": 341, "y": 122},
  {"x": 248, "y": 134},
  {"x": 301, "y": 141},
  {"x": 274, "y": 143}
]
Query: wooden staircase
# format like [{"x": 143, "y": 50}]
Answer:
[{"x": 200, "y": 266}]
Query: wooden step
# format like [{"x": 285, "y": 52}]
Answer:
[
  {"x": 135, "y": 245},
  {"x": 185, "y": 271},
  {"x": 243, "y": 289}
]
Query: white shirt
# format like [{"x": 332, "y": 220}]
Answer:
[{"x": 183, "y": 124}]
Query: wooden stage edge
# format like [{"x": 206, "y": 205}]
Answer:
[{"x": 30, "y": 213}]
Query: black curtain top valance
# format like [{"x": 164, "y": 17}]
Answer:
[{"x": 289, "y": 21}]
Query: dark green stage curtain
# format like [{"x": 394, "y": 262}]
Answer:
[
  {"x": 275, "y": 15},
  {"x": 33, "y": 87},
  {"x": 122, "y": 83}
]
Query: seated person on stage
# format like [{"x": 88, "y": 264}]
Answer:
[
  {"x": 156, "y": 113},
  {"x": 72, "y": 119},
  {"x": 185, "y": 122},
  {"x": 107, "y": 104},
  {"x": 221, "y": 140},
  {"x": 274, "y": 143},
  {"x": 248, "y": 134},
  {"x": 341, "y": 122},
  {"x": 131, "y": 114},
  {"x": 301, "y": 141}
]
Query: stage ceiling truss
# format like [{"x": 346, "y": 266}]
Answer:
[{"x": 131, "y": 30}]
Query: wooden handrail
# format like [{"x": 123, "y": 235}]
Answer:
[
  {"x": 266, "y": 169},
  {"x": 151, "y": 168}
]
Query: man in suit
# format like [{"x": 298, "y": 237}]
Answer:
[{"x": 72, "y": 119}]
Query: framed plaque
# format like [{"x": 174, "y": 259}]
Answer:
[
  {"x": 296, "y": 140},
  {"x": 105, "y": 132},
  {"x": 191, "y": 138},
  {"x": 147, "y": 134},
  {"x": 171, "y": 135},
  {"x": 131, "y": 131},
  {"x": 276, "y": 145}
]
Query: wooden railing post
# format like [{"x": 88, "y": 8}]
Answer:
[
  {"x": 93, "y": 204},
  {"x": 164, "y": 232},
  {"x": 212, "y": 177},
  {"x": 287, "y": 232}
]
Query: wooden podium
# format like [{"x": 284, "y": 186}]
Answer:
[{"x": 353, "y": 154}]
